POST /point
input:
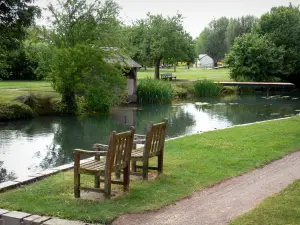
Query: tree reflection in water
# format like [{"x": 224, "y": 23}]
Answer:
[{"x": 4, "y": 175}]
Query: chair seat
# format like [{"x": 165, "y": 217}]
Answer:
[
  {"x": 137, "y": 153},
  {"x": 93, "y": 166}
]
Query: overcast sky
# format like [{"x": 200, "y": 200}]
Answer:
[{"x": 197, "y": 13}]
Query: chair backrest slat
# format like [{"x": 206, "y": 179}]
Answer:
[
  {"x": 155, "y": 138},
  {"x": 119, "y": 150}
]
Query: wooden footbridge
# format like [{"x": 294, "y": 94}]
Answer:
[{"x": 258, "y": 84}]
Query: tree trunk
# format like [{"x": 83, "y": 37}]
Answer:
[
  {"x": 69, "y": 99},
  {"x": 188, "y": 65},
  {"x": 174, "y": 67},
  {"x": 157, "y": 65}
]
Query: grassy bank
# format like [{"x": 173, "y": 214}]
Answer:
[
  {"x": 191, "y": 163},
  {"x": 13, "y": 95},
  {"x": 282, "y": 208},
  {"x": 183, "y": 73}
]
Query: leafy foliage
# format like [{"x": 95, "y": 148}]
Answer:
[
  {"x": 154, "y": 91},
  {"x": 15, "y": 17},
  {"x": 157, "y": 38},
  {"x": 255, "y": 58},
  {"x": 271, "y": 52},
  {"x": 77, "y": 58}
]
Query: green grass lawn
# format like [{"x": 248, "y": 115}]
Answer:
[
  {"x": 190, "y": 163},
  {"x": 282, "y": 208},
  {"x": 189, "y": 74},
  {"x": 10, "y": 90}
]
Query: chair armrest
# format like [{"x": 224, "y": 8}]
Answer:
[{"x": 86, "y": 152}]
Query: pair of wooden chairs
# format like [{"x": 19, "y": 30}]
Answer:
[{"x": 118, "y": 155}]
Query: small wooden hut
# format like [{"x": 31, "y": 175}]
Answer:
[{"x": 131, "y": 67}]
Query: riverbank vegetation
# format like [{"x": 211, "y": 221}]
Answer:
[
  {"x": 207, "y": 88},
  {"x": 281, "y": 208},
  {"x": 190, "y": 163},
  {"x": 154, "y": 91}
]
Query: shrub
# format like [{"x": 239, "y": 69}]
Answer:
[
  {"x": 179, "y": 92},
  {"x": 154, "y": 91},
  {"x": 207, "y": 88},
  {"x": 15, "y": 110}
]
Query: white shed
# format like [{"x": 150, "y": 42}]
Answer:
[{"x": 205, "y": 61}]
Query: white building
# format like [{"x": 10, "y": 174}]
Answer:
[{"x": 205, "y": 61}]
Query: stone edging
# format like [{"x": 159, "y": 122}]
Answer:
[
  {"x": 21, "y": 218},
  {"x": 41, "y": 175}
]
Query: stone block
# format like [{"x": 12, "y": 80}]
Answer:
[
  {"x": 64, "y": 167},
  {"x": 56, "y": 221},
  {"x": 14, "y": 218},
  {"x": 35, "y": 220},
  {"x": 8, "y": 185},
  {"x": 48, "y": 172},
  {"x": 2, "y": 211},
  {"x": 25, "y": 180}
]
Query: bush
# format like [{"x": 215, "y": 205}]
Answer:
[
  {"x": 183, "y": 90},
  {"x": 207, "y": 88},
  {"x": 179, "y": 92},
  {"x": 15, "y": 110},
  {"x": 154, "y": 91}
]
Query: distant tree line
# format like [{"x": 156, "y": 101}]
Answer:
[{"x": 218, "y": 37}]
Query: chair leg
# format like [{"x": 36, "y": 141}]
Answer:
[
  {"x": 97, "y": 181},
  {"x": 160, "y": 162},
  {"x": 76, "y": 185},
  {"x": 133, "y": 166},
  {"x": 118, "y": 174},
  {"x": 145, "y": 170},
  {"x": 107, "y": 187},
  {"x": 126, "y": 178}
]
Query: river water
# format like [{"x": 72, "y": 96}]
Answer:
[{"x": 28, "y": 146}]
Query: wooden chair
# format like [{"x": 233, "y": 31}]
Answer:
[
  {"x": 117, "y": 159},
  {"x": 153, "y": 147}
]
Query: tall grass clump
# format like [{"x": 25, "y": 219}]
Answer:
[
  {"x": 207, "y": 88},
  {"x": 154, "y": 91}
]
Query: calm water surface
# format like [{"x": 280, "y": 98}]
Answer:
[{"x": 29, "y": 146}]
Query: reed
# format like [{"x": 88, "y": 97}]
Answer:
[
  {"x": 207, "y": 88},
  {"x": 154, "y": 91}
]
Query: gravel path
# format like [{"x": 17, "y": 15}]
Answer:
[{"x": 225, "y": 201}]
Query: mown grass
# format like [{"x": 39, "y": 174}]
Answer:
[
  {"x": 190, "y": 164},
  {"x": 10, "y": 90},
  {"x": 183, "y": 73},
  {"x": 282, "y": 208}
]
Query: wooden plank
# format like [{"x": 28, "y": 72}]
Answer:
[{"x": 257, "y": 84}]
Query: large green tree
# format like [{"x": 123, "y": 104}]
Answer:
[
  {"x": 239, "y": 26},
  {"x": 15, "y": 17},
  {"x": 81, "y": 52},
  {"x": 253, "y": 57},
  {"x": 276, "y": 52},
  {"x": 156, "y": 38}
]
